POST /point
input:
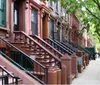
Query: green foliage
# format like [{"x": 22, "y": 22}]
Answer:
[
  {"x": 98, "y": 47},
  {"x": 88, "y": 12}
]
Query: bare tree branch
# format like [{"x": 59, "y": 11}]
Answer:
[
  {"x": 97, "y": 3},
  {"x": 92, "y": 13}
]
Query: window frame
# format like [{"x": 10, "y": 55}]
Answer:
[
  {"x": 3, "y": 13},
  {"x": 33, "y": 21}
]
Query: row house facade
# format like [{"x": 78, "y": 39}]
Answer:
[
  {"x": 47, "y": 20},
  {"x": 24, "y": 15},
  {"x": 56, "y": 21},
  {"x": 61, "y": 22},
  {"x": 75, "y": 28},
  {"x": 77, "y": 35},
  {"x": 85, "y": 38},
  {"x": 24, "y": 27},
  {"x": 90, "y": 42}
]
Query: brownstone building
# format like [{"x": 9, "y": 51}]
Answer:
[{"x": 23, "y": 26}]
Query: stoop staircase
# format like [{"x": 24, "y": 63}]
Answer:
[
  {"x": 86, "y": 54},
  {"x": 48, "y": 46},
  {"x": 69, "y": 49},
  {"x": 60, "y": 47},
  {"x": 41, "y": 57},
  {"x": 35, "y": 50},
  {"x": 66, "y": 46},
  {"x": 69, "y": 46},
  {"x": 76, "y": 46},
  {"x": 57, "y": 50},
  {"x": 37, "y": 57},
  {"x": 30, "y": 66}
]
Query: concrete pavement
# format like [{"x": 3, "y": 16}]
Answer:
[{"x": 90, "y": 75}]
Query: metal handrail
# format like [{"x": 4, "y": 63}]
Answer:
[
  {"x": 5, "y": 78},
  {"x": 21, "y": 66},
  {"x": 53, "y": 56},
  {"x": 69, "y": 46},
  {"x": 62, "y": 49},
  {"x": 37, "y": 43},
  {"x": 21, "y": 52},
  {"x": 6, "y": 71},
  {"x": 63, "y": 46},
  {"x": 46, "y": 44},
  {"x": 84, "y": 49},
  {"x": 81, "y": 48}
]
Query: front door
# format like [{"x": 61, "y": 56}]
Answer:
[
  {"x": 16, "y": 16},
  {"x": 51, "y": 29},
  {"x": 34, "y": 21}
]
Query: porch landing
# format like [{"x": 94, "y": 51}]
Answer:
[{"x": 90, "y": 75}]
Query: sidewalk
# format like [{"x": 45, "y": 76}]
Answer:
[{"x": 90, "y": 75}]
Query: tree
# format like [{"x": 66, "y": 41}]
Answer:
[{"x": 87, "y": 11}]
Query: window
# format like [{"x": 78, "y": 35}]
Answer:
[
  {"x": 15, "y": 18},
  {"x": 56, "y": 6},
  {"x": 3, "y": 12},
  {"x": 51, "y": 29},
  {"x": 34, "y": 21},
  {"x": 50, "y": 2}
]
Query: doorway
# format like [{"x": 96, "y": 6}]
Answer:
[
  {"x": 34, "y": 21},
  {"x": 51, "y": 29},
  {"x": 16, "y": 15},
  {"x": 19, "y": 15},
  {"x": 45, "y": 27}
]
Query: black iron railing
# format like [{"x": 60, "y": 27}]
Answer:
[
  {"x": 32, "y": 62},
  {"x": 7, "y": 77},
  {"x": 70, "y": 51},
  {"x": 47, "y": 46},
  {"x": 79, "y": 47},
  {"x": 69, "y": 46},
  {"x": 21, "y": 36},
  {"x": 57, "y": 46}
]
